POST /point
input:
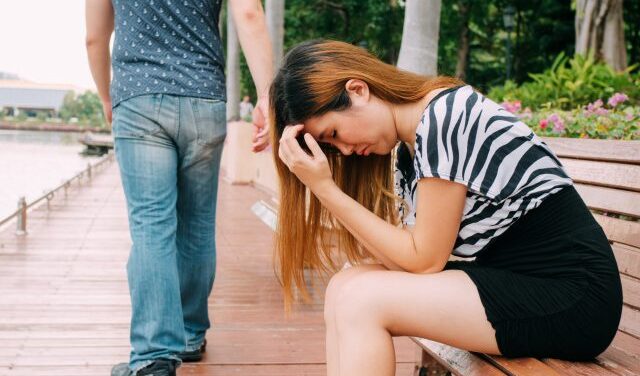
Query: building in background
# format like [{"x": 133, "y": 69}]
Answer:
[{"x": 31, "y": 98}]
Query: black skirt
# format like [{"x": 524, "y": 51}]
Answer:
[{"x": 550, "y": 284}]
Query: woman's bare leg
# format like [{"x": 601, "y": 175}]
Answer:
[{"x": 366, "y": 306}]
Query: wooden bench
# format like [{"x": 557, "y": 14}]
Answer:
[{"x": 607, "y": 176}]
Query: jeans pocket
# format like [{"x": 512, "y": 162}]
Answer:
[
  {"x": 211, "y": 120},
  {"x": 137, "y": 117}
]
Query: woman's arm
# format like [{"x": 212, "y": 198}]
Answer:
[
  {"x": 99, "y": 19},
  {"x": 440, "y": 206},
  {"x": 427, "y": 249}
]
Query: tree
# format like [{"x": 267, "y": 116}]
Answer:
[
  {"x": 275, "y": 24},
  {"x": 600, "y": 31},
  {"x": 86, "y": 107},
  {"x": 419, "y": 48},
  {"x": 463, "y": 40},
  {"x": 233, "y": 70}
]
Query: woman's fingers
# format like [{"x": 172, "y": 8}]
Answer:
[{"x": 313, "y": 146}]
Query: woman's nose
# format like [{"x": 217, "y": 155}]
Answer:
[{"x": 344, "y": 148}]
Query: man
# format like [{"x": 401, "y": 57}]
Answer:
[
  {"x": 246, "y": 108},
  {"x": 169, "y": 124}
]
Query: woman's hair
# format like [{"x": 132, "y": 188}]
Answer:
[{"x": 310, "y": 83}]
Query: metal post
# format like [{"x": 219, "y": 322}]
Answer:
[
  {"x": 508, "y": 55},
  {"x": 21, "y": 226}
]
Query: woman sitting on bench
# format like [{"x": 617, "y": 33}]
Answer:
[{"x": 473, "y": 181}]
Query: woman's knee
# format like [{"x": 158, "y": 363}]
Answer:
[{"x": 347, "y": 296}]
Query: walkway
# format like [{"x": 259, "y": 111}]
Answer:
[{"x": 64, "y": 303}]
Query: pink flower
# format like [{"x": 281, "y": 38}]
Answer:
[
  {"x": 592, "y": 107},
  {"x": 543, "y": 123},
  {"x": 601, "y": 111},
  {"x": 558, "y": 123},
  {"x": 558, "y": 127},
  {"x": 513, "y": 107},
  {"x": 617, "y": 98}
]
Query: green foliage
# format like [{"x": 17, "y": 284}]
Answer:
[
  {"x": 568, "y": 83},
  {"x": 543, "y": 30},
  {"x": 86, "y": 107},
  {"x": 374, "y": 24}
]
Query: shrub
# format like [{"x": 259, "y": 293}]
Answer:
[{"x": 569, "y": 83}]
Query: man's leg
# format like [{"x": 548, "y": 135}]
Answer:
[
  {"x": 202, "y": 133},
  {"x": 148, "y": 162}
]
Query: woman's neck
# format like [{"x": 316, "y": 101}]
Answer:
[{"x": 407, "y": 116}]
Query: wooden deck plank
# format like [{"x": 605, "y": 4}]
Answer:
[{"x": 65, "y": 303}]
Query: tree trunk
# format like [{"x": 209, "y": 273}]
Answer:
[
  {"x": 275, "y": 24},
  {"x": 463, "y": 39},
  {"x": 233, "y": 70},
  {"x": 419, "y": 47},
  {"x": 600, "y": 30}
]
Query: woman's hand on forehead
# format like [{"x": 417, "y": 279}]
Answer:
[{"x": 312, "y": 170}]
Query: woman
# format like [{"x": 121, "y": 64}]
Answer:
[{"x": 474, "y": 181}]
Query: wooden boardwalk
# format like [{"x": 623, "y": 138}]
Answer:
[{"x": 64, "y": 302}]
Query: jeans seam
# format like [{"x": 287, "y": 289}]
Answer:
[{"x": 196, "y": 122}]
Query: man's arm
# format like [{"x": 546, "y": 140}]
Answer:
[
  {"x": 99, "y": 18},
  {"x": 251, "y": 26}
]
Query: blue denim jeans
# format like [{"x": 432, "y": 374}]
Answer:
[{"x": 169, "y": 148}]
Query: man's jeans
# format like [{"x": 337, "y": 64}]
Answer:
[{"x": 169, "y": 149}]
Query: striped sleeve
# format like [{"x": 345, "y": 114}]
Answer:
[{"x": 449, "y": 138}]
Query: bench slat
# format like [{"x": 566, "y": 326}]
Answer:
[
  {"x": 610, "y": 200},
  {"x": 619, "y": 230},
  {"x": 630, "y": 321},
  {"x": 631, "y": 291},
  {"x": 522, "y": 366},
  {"x": 578, "y": 368},
  {"x": 628, "y": 259},
  {"x": 623, "y": 356},
  {"x": 600, "y": 150},
  {"x": 606, "y": 174},
  {"x": 460, "y": 362}
]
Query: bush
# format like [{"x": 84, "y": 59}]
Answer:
[{"x": 570, "y": 83}]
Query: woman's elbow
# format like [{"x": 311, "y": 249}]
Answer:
[{"x": 425, "y": 268}]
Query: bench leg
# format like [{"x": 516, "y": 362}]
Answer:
[{"x": 427, "y": 366}]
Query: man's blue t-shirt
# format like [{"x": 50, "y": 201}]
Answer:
[{"x": 167, "y": 46}]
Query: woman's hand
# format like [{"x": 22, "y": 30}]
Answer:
[{"x": 312, "y": 170}]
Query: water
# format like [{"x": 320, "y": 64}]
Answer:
[{"x": 33, "y": 162}]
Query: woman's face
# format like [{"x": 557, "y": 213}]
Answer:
[{"x": 365, "y": 128}]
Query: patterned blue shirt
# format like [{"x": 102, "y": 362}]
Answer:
[{"x": 167, "y": 46}]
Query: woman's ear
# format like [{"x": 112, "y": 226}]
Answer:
[{"x": 358, "y": 90}]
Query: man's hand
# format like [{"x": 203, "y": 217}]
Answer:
[
  {"x": 261, "y": 125},
  {"x": 106, "y": 109}
]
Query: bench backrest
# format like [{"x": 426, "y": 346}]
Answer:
[{"x": 607, "y": 176}]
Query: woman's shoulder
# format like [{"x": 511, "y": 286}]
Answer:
[{"x": 441, "y": 94}]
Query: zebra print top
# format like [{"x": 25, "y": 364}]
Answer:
[{"x": 467, "y": 138}]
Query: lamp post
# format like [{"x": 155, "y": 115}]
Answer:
[{"x": 509, "y": 22}]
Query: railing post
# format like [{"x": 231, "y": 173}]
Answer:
[
  {"x": 89, "y": 170},
  {"x": 21, "y": 226}
]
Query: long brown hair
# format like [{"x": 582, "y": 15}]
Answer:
[{"x": 311, "y": 82}]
